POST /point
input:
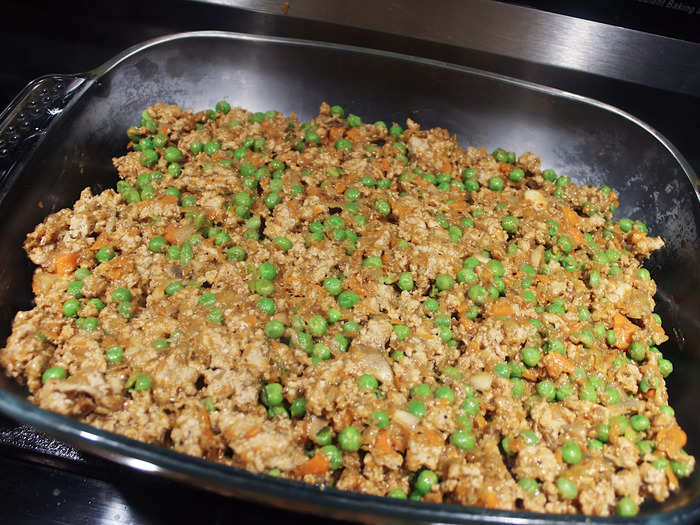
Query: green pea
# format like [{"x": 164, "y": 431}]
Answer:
[
  {"x": 444, "y": 392},
  {"x": 172, "y": 154},
  {"x": 643, "y": 274},
  {"x": 567, "y": 488},
  {"x": 142, "y": 383},
  {"x": 368, "y": 383},
  {"x": 323, "y": 437},
  {"x": 402, "y": 332},
  {"x": 611, "y": 337},
  {"x": 594, "y": 445},
  {"x": 148, "y": 158},
  {"x": 420, "y": 390},
  {"x": 396, "y": 131},
  {"x": 665, "y": 366},
  {"x": 546, "y": 390},
  {"x": 105, "y": 254},
  {"x": 531, "y": 356},
  {"x": 471, "y": 406},
  {"x": 477, "y": 294},
  {"x": 639, "y": 422},
  {"x": 496, "y": 183},
  {"x": 350, "y": 439},
  {"x": 317, "y": 326},
  {"x": 87, "y": 323},
  {"x": 405, "y": 281},
  {"x": 681, "y": 469},
  {"x": 298, "y": 407},
  {"x": 571, "y": 453},
  {"x": 625, "y": 225},
  {"x": 334, "y": 315},
  {"x": 510, "y": 224},
  {"x": 626, "y": 507},
  {"x": 274, "y": 329},
  {"x": 466, "y": 275},
  {"x": 611, "y": 396},
  {"x": 71, "y": 308},
  {"x": 114, "y": 355},
  {"x": 157, "y": 244},
  {"x": 382, "y": 207},
  {"x": 173, "y": 287},
  {"x": 267, "y": 271},
  {"x": 266, "y": 305},
  {"x": 425, "y": 480},
  {"x": 444, "y": 282},
  {"x": 343, "y": 145},
  {"x": 463, "y": 440},
  {"x": 271, "y": 395},
  {"x": 235, "y": 253},
  {"x": 211, "y": 147},
  {"x": 637, "y": 351},
  {"x": 530, "y": 486},
  {"x": 516, "y": 175},
  {"x": 417, "y": 408},
  {"x": 272, "y": 199},
  {"x": 563, "y": 181},
  {"x": 55, "y": 372}
]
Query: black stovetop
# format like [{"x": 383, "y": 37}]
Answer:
[{"x": 49, "y": 482}]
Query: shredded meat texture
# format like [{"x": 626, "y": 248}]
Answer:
[{"x": 360, "y": 306}]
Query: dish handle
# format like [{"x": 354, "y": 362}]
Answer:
[{"x": 23, "y": 123}]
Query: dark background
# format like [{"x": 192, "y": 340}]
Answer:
[{"x": 44, "y": 482}]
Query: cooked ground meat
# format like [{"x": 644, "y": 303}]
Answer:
[{"x": 353, "y": 305}]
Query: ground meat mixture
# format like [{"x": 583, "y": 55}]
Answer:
[{"x": 361, "y": 306}]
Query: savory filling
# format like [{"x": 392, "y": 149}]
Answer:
[{"x": 360, "y": 306}]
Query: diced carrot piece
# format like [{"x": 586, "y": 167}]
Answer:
[
  {"x": 501, "y": 309},
  {"x": 254, "y": 431},
  {"x": 340, "y": 186},
  {"x": 446, "y": 167},
  {"x": 468, "y": 325},
  {"x": 458, "y": 205},
  {"x": 671, "y": 440},
  {"x": 382, "y": 444},
  {"x": 354, "y": 134},
  {"x": 571, "y": 222},
  {"x": 571, "y": 216},
  {"x": 657, "y": 329},
  {"x": 624, "y": 329},
  {"x": 433, "y": 437},
  {"x": 66, "y": 263},
  {"x": 118, "y": 267},
  {"x": 672, "y": 479},
  {"x": 400, "y": 210},
  {"x": 335, "y": 134},
  {"x": 256, "y": 159},
  {"x": 556, "y": 364},
  {"x": 163, "y": 129},
  {"x": 318, "y": 464},
  {"x": 487, "y": 497},
  {"x": 382, "y": 164},
  {"x": 168, "y": 199},
  {"x": 101, "y": 241},
  {"x": 170, "y": 234},
  {"x": 530, "y": 374}
]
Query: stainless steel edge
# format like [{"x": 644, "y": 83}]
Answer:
[
  {"x": 512, "y": 31},
  {"x": 690, "y": 172}
]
